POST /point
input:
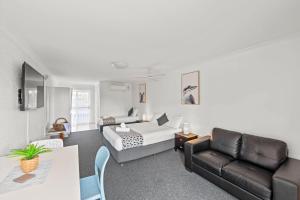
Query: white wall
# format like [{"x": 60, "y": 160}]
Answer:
[
  {"x": 254, "y": 91},
  {"x": 114, "y": 102},
  {"x": 59, "y": 103},
  {"x": 17, "y": 127}
]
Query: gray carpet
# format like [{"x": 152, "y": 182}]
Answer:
[{"x": 158, "y": 177}]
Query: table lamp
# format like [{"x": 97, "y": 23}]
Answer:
[{"x": 186, "y": 128}]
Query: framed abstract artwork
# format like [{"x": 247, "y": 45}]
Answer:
[
  {"x": 190, "y": 88},
  {"x": 142, "y": 93}
]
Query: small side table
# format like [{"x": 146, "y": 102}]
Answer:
[
  {"x": 181, "y": 138},
  {"x": 56, "y": 134}
]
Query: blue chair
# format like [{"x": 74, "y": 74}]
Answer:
[{"x": 92, "y": 187}]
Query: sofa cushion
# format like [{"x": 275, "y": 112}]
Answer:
[
  {"x": 252, "y": 178},
  {"x": 225, "y": 141},
  {"x": 265, "y": 152},
  {"x": 212, "y": 161}
]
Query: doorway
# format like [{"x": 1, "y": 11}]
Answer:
[{"x": 81, "y": 115}]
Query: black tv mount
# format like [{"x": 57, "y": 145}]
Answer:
[{"x": 20, "y": 99}]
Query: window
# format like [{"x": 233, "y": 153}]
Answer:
[{"x": 81, "y": 106}]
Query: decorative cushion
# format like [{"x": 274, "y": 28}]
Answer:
[
  {"x": 251, "y": 178},
  {"x": 212, "y": 161},
  {"x": 155, "y": 117},
  {"x": 265, "y": 152},
  {"x": 162, "y": 120},
  {"x": 226, "y": 141},
  {"x": 130, "y": 112},
  {"x": 135, "y": 112}
]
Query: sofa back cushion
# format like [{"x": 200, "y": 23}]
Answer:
[
  {"x": 226, "y": 141},
  {"x": 265, "y": 152}
]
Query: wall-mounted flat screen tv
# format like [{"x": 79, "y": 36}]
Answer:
[{"x": 32, "y": 88}]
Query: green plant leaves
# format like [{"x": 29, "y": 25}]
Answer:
[{"x": 29, "y": 152}]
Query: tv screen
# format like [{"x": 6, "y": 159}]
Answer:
[{"x": 32, "y": 88}]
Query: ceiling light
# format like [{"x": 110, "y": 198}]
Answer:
[{"x": 119, "y": 65}]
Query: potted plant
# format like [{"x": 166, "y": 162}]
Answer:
[{"x": 29, "y": 156}]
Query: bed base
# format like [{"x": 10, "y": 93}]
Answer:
[{"x": 138, "y": 152}]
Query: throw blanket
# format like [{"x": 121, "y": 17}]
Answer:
[
  {"x": 108, "y": 121},
  {"x": 130, "y": 139}
]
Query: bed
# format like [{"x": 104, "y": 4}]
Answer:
[
  {"x": 108, "y": 121},
  {"x": 155, "y": 139}
]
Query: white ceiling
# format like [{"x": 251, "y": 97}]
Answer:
[{"x": 79, "y": 38}]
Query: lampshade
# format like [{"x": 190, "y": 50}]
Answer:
[
  {"x": 145, "y": 117},
  {"x": 186, "y": 128}
]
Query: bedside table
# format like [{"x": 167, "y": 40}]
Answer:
[{"x": 181, "y": 138}]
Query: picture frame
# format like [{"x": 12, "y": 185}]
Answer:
[
  {"x": 142, "y": 93},
  {"x": 190, "y": 88}
]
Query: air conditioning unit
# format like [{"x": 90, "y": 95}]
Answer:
[{"x": 119, "y": 86}]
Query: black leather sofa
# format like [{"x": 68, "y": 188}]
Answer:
[{"x": 249, "y": 167}]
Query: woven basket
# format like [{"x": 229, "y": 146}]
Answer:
[
  {"x": 59, "y": 124},
  {"x": 28, "y": 166}
]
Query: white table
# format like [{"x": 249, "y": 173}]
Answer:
[{"x": 62, "y": 182}]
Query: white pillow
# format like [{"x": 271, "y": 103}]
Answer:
[
  {"x": 175, "y": 122},
  {"x": 135, "y": 112}
]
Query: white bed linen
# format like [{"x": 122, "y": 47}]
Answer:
[
  {"x": 152, "y": 133},
  {"x": 122, "y": 119}
]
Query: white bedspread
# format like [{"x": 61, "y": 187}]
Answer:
[
  {"x": 121, "y": 119},
  {"x": 152, "y": 133}
]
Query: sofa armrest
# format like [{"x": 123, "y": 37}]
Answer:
[
  {"x": 286, "y": 181},
  {"x": 194, "y": 146}
]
